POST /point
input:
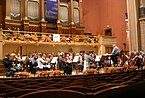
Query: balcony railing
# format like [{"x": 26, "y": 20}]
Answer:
[{"x": 39, "y": 37}]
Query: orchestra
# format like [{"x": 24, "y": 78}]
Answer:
[{"x": 69, "y": 62}]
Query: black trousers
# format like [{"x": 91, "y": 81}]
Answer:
[
  {"x": 115, "y": 58},
  {"x": 68, "y": 69}
]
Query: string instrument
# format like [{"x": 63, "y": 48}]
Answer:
[{"x": 123, "y": 58}]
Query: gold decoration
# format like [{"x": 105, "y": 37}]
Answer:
[{"x": 65, "y": 39}]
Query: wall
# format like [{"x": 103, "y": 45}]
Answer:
[
  {"x": 96, "y": 15},
  {"x": 47, "y": 48},
  {"x": 2, "y": 11},
  {"x": 99, "y": 13}
]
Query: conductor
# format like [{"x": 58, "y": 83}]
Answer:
[{"x": 115, "y": 53}]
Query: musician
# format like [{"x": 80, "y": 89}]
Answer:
[
  {"x": 7, "y": 64},
  {"x": 80, "y": 61},
  {"x": 13, "y": 64},
  {"x": 42, "y": 62},
  {"x": 88, "y": 60},
  {"x": 131, "y": 60},
  {"x": 139, "y": 61},
  {"x": 60, "y": 53},
  {"x": 68, "y": 61},
  {"x": 115, "y": 53},
  {"x": 33, "y": 64},
  {"x": 61, "y": 62}
]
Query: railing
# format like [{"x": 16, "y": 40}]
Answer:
[{"x": 21, "y": 36}]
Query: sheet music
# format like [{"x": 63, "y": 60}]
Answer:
[
  {"x": 24, "y": 58},
  {"x": 76, "y": 58},
  {"x": 107, "y": 54},
  {"x": 98, "y": 58},
  {"x": 56, "y": 37},
  {"x": 54, "y": 60}
]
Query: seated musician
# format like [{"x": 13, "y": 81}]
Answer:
[
  {"x": 88, "y": 61},
  {"x": 68, "y": 61},
  {"x": 42, "y": 62},
  {"x": 61, "y": 62},
  {"x": 80, "y": 62},
  {"x": 115, "y": 53},
  {"x": 12, "y": 63},
  {"x": 138, "y": 60},
  {"x": 33, "y": 64},
  {"x": 7, "y": 64}
]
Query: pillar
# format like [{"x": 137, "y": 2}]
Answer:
[
  {"x": 142, "y": 8},
  {"x": 25, "y": 15},
  {"x": 81, "y": 12},
  {"x": 133, "y": 25},
  {"x": 59, "y": 25},
  {"x": 1, "y": 44},
  {"x": 72, "y": 25},
  {"x": 7, "y": 18},
  {"x": 7, "y": 10},
  {"x": 101, "y": 49},
  {"x": 142, "y": 23},
  {"x": 142, "y": 34},
  {"x": 42, "y": 16}
]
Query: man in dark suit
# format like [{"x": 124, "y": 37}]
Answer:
[{"x": 7, "y": 64}]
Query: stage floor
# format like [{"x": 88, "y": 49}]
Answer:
[{"x": 74, "y": 72}]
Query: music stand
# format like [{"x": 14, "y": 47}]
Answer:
[
  {"x": 97, "y": 60},
  {"x": 75, "y": 61},
  {"x": 54, "y": 62}
]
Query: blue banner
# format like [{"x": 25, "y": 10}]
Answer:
[{"x": 52, "y": 11}]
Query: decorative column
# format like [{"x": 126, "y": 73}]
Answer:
[
  {"x": 142, "y": 8},
  {"x": 142, "y": 33},
  {"x": 142, "y": 23},
  {"x": 101, "y": 47},
  {"x": 25, "y": 15},
  {"x": 133, "y": 25},
  {"x": 7, "y": 18},
  {"x": 101, "y": 50},
  {"x": 7, "y": 10},
  {"x": 42, "y": 16},
  {"x": 1, "y": 43},
  {"x": 81, "y": 13},
  {"x": 81, "y": 16},
  {"x": 72, "y": 25},
  {"x": 59, "y": 25}
]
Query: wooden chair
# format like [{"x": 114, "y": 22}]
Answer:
[
  {"x": 78, "y": 88},
  {"x": 17, "y": 93},
  {"x": 54, "y": 94}
]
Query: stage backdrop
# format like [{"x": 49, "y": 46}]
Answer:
[{"x": 52, "y": 11}]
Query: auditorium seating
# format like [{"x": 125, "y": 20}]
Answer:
[
  {"x": 136, "y": 90},
  {"x": 2, "y": 69},
  {"x": 85, "y": 86},
  {"x": 54, "y": 94}
]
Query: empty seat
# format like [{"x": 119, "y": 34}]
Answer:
[{"x": 54, "y": 94}]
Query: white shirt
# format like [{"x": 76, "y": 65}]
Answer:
[
  {"x": 115, "y": 50},
  {"x": 40, "y": 63}
]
